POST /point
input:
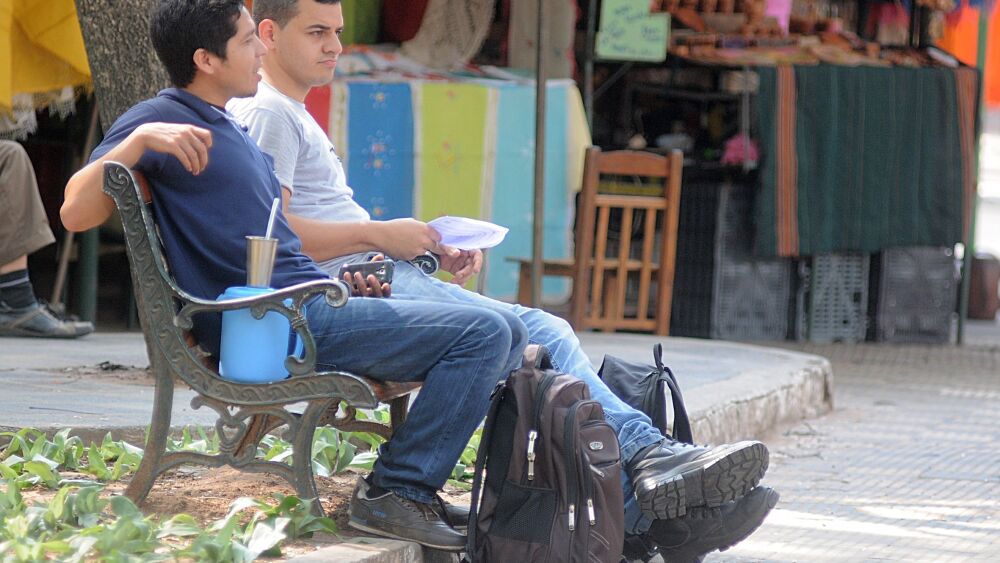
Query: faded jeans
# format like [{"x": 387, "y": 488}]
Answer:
[
  {"x": 635, "y": 430},
  {"x": 458, "y": 351}
]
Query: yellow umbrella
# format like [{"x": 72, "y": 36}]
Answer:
[{"x": 41, "y": 49}]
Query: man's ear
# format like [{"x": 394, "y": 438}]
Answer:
[
  {"x": 267, "y": 30},
  {"x": 205, "y": 61}
]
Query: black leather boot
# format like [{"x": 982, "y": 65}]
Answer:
[
  {"x": 704, "y": 530},
  {"x": 671, "y": 476}
]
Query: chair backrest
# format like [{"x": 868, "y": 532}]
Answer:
[{"x": 607, "y": 270}]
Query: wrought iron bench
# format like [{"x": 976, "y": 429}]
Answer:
[{"x": 246, "y": 412}]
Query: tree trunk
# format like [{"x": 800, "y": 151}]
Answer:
[{"x": 122, "y": 60}]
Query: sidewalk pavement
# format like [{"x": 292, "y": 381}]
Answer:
[
  {"x": 906, "y": 468},
  {"x": 98, "y": 384}
]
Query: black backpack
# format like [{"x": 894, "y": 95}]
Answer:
[
  {"x": 645, "y": 387},
  {"x": 552, "y": 487}
]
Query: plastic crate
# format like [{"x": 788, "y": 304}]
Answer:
[
  {"x": 694, "y": 266},
  {"x": 833, "y": 298},
  {"x": 751, "y": 295},
  {"x": 915, "y": 290},
  {"x": 720, "y": 289}
]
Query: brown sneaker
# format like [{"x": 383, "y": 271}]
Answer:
[{"x": 387, "y": 514}]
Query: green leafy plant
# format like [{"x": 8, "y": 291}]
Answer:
[
  {"x": 462, "y": 474},
  {"x": 78, "y": 525},
  {"x": 205, "y": 443}
]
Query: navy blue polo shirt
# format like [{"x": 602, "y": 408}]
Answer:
[{"x": 203, "y": 219}]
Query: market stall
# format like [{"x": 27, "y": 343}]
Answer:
[{"x": 841, "y": 154}]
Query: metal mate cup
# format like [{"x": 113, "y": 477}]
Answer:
[{"x": 260, "y": 260}]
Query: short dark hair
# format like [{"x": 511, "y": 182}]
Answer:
[
  {"x": 280, "y": 11},
  {"x": 178, "y": 28}
]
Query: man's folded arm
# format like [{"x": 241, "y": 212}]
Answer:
[{"x": 87, "y": 206}]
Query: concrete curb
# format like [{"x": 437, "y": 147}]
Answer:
[
  {"x": 365, "y": 550},
  {"x": 752, "y": 405}
]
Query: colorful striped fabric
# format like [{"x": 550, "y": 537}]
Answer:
[
  {"x": 426, "y": 149},
  {"x": 967, "y": 96},
  {"x": 787, "y": 209},
  {"x": 452, "y": 153},
  {"x": 513, "y": 193},
  {"x": 381, "y": 148}
]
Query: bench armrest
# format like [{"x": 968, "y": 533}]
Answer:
[{"x": 335, "y": 291}]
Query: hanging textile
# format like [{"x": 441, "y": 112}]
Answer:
[
  {"x": 451, "y": 32},
  {"x": 560, "y": 33},
  {"x": 401, "y": 19},
  {"x": 848, "y": 167}
]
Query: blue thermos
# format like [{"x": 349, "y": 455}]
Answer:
[{"x": 254, "y": 350}]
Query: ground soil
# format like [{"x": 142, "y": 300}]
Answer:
[{"x": 207, "y": 493}]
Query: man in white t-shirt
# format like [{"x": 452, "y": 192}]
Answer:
[{"x": 668, "y": 479}]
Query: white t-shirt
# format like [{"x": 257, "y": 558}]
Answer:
[{"x": 304, "y": 159}]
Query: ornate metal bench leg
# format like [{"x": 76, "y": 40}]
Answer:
[
  {"x": 398, "y": 408},
  {"x": 156, "y": 443},
  {"x": 302, "y": 440}
]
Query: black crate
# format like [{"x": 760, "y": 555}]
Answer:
[
  {"x": 751, "y": 295},
  {"x": 832, "y": 298},
  {"x": 720, "y": 289},
  {"x": 694, "y": 266},
  {"x": 914, "y": 290}
]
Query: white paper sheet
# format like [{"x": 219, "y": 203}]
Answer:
[{"x": 468, "y": 234}]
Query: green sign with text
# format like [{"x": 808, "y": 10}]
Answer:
[{"x": 628, "y": 32}]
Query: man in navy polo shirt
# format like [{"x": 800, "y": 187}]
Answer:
[{"x": 212, "y": 185}]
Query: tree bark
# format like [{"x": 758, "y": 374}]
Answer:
[{"x": 123, "y": 64}]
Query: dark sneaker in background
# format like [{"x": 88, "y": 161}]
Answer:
[
  {"x": 672, "y": 476},
  {"x": 455, "y": 514},
  {"x": 385, "y": 513},
  {"x": 38, "y": 320}
]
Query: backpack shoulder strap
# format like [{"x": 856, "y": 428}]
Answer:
[
  {"x": 481, "y": 455},
  {"x": 682, "y": 425}
]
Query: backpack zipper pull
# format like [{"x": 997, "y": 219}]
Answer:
[
  {"x": 572, "y": 517},
  {"x": 531, "y": 454},
  {"x": 590, "y": 512}
]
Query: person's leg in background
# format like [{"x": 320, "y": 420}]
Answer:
[{"x": 23, "y": 230}]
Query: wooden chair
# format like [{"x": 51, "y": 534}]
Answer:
[{"x": 601, "y": 267}]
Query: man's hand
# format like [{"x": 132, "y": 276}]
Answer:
[
  {"x": 188, "y": 143},
  {"x": 370, "y": 287},
  {"x": 463, "y": 264},
  {"x": 404, "y": 239}
]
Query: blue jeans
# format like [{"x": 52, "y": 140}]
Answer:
[
  {"x": 458, "y": 351},
  {"x": 635, "y": 429}
]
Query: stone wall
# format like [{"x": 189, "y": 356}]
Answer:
[{"x": 122, "y": 61}]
